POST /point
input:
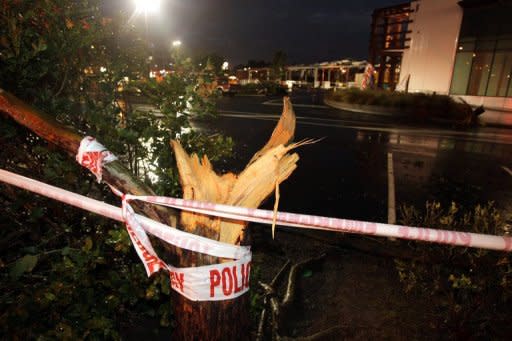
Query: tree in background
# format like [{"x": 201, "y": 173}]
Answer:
[
  {"x": 257, "y": 63},
  {"x": 68, "y": 274},
  {"x": 278, "y": 64},
  {"x": 212, "y": 62}
]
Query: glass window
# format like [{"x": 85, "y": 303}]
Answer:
[
  {"x": 500, "y": 74},
  {"x": 480, "y": 73},
  {"x": 461, "y": 71},
  {"x": 468, "y": 45}
]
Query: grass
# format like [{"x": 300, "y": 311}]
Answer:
[{"x": 418, "y": 105}]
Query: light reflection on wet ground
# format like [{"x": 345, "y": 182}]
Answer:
[
  {"x": 450, "y": 169},
  {"x": 345, "y": 175}
]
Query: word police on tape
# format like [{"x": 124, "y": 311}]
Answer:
[
  {"x": 230, "y": 279},
  {"x": 212, "y": 282}
]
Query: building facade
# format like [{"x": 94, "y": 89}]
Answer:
[
  {"x": 344, "y": 73},
  {"x": 460, "y": 48},
  {"x": 390, "y": 36}
]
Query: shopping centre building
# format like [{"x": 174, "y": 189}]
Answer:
[{"x": 460, "y": 48}]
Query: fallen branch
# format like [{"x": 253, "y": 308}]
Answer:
[
  {"x": 279, "y": 309},
  {"x": 65, "y": 138}
]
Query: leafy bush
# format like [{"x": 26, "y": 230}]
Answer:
[
  {"x": 67, "y": 274},
  {"x": 470, "y": 289},
  {"x": 417, "y": 105}
]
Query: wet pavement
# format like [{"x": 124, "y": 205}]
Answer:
[{"x": 345, "y": 174}]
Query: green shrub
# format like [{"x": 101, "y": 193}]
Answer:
[
  {"x": 470, "y": 289},
  {"x": 67, "y": 274},
  {"x": 417, "y": 105}
]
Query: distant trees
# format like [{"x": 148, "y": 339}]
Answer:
[
  {"x": 278, "y": 64},
  {"x": 257, "y": 63},
  {"x": 212, "y": 61}
]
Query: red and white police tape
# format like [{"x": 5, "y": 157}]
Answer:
[
  {"x": 92, "y": 155},
  {"x": 201, "y": 283},
  {"x": 231, "y": 279},
  {"x": 204, "y": 283}
]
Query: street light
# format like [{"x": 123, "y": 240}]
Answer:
[
  {"x": 147, "y": 6},
  {"x": 176, "y": 43}
]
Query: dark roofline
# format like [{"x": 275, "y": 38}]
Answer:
[{"x": 392, "y": 8}]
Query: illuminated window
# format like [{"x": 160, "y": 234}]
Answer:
[
  {"x": 500, "y": 74},
  {"x": 461, "y": 72},
  {"x": 483, "y": 61}
]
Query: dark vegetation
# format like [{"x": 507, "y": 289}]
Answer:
[
  {"x": 67, "y": 274},
  {"x": 419, "y": 106},
  {"x": 470, "y": 289}
]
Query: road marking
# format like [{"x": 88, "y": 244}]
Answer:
[
  {"x": 499, "y": 138},
  {"x": 391, "y": 191},
  {"x": 506, "y": 169}
]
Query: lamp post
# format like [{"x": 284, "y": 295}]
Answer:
[
  {"x": 147, "y": 6},
  {"x": 175, "y": 51}
]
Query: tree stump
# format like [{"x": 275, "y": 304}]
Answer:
[{"x": 271, "y": 165}]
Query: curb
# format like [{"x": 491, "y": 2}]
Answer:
[{"x": 365, "y": 109}]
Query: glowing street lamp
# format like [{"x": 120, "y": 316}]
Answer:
[
  {"x": 176, "y": 43},
  {"x": 225, "y": 66},
  {"x": 147, "y": 6}
]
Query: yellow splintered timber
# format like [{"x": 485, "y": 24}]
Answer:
[{"x": 270, "y": 166}]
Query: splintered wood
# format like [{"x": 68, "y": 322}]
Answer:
[{"x": 270, "y": 166}]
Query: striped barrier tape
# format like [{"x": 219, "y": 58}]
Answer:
[
  {"x": 93, "y": 155},
  {"x": 205, "y": 283},
  {"x": 459, "y": 238},
  {"x": 467, "y": 239},
  {"x": 195, "y": 283},
  {"x": 231, "y": 279}
]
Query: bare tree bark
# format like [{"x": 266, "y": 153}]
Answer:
[{"x": 272, "y": 164}]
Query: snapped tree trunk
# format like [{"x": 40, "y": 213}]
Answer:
[
  {"x": 221, "y": 320},
  {"x": 229, "y": 319}
]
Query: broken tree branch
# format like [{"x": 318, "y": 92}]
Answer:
[
  {"x": 268, "y": 167},
  {"x": 279, "y": 309},
  {"x": 114, "y": 173}
]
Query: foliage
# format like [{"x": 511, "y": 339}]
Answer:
[
  {"x": 67, "y": 274},
  {"x": 279, "y": 61},
  {"x": 470, "y": 289},
  {"x": 417, "y": 105},
  {"x": 213, "y": 62},
  {"x": 256, "y": 63}
]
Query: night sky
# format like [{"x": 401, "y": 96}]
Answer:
[{"x": 307, "y": 31}]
